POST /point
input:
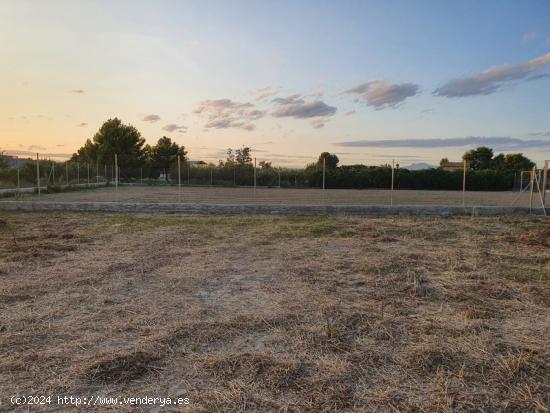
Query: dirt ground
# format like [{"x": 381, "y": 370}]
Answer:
[
  {"x": 272, "y": 313},
  {"x": 285, "y": 196}
]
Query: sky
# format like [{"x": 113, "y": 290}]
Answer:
[{"x": 371, "y": 81}]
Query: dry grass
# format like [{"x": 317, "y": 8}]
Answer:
[{"x": 262, "y": 313}]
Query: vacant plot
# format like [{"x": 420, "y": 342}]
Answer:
[
  {"x": 262, "y": 313},
  {"x": 285, "y": 196}
]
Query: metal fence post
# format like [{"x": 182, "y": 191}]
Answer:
[
  {"x": 464, "y": 175},
  {"x": 544, "y": 181},
  {"x": 116, "y": 173},
  {"x": 533, "y": 172},
  {"x": 324, "y": 159},
  {"x": 392, "y": 180},
  {"x": 38, "y": 174}
]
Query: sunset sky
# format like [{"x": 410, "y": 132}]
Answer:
[{"x": 367, "y": 80}]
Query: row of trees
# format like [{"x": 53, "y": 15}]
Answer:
[
  {"x": 140, "y": 160},
  {"x": 483, "y": 158}
]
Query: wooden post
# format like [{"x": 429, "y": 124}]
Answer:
[
  {"x": 544, "y": 181},
  {"x": 392, "y": 180},
  {"x": 116, "y": 173},
  {"x": 464, "y": 175},
  {"x": 533, "y": 172},
  {"x": 38, "y": 174}
]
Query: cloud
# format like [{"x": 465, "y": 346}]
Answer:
[
  {"x": 172, "y": 127},
  {"x": 83, "y": 124},
  {"x": 264, "y": 93},
  {"x": 318, "y": 123},
  {"x": 382, "y": 95},
  {"x": 528, "y": 37},
  {"x": 497, "y": 143},
  {"x": 493, "y": 79},
  {"x": 548, "y": 41},
  {"x": 295, "y": 107},
  {"x": 77, "y": 91},
  {"x": 350, "y": 113},
  {"x": 540, "y": 134},
  {"x": 151, "y": 118},
  {"x": 289, "y": 100},
  {"x": 225, "y": 113}
]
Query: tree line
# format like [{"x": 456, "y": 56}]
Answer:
[{"x": 139, "y": 160}]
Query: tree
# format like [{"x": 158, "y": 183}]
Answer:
[
  {"x": 114, "y": 137},
  {"x": 479, "y": 158},
  {"x": 443, "y": 162},
  {"x": 242, "y": 156},
  {"x": 517, "y": 162},
  {"x": 331, "y": 160},
  {"x": 265, "y": 165},
  {"x": 165, "y": 153}
]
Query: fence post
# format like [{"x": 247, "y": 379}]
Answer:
[
  {"x": 188, "y": 174},
  {"x": 67, "y": 172},
  {"x": 234, "y": 176},
  {"x": 279, "y": 171},
  {"x": 324, "y": 159},
  {"x": 38, "y": 174},
  {"x": 544, "y": 181},
  {"x": 464, "y": 174},
  {"x": 533, "y": 172},
  {"x": 53, "y": 172},
  {"x": 211, "y": 176},
  {"x": 88, "y": 168},
  {"x": 18, "y": 182},
  {"x": 254, "y": 175},
  {"x": 392, "y": 180},
  {"x": 116, "y": 173},
  {"x": 141, "y": 176},
  {"x": 97, "y": 172},
  {"x": 179, "y": 172}
]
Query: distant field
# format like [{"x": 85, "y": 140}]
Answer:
[
  {"x": 275, "y": 196},
  {"x": 269, "y": 313}
]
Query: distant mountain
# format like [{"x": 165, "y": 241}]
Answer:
[{"x": 418, "y": 166}]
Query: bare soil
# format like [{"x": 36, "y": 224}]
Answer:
[
  {"x": 286, "y": 196},
  {"x": 266, "y": 313}
]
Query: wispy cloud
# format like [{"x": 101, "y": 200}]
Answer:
[
  {"x": 350, "y": 113},
  {"x": 382, "y": 95},
  {"x": 318, "y": 123},
  {"x": 83, "y": 124},
  {"x": 265, "y": 93},
  {"x": 295, "y": 107},
  {"x": 497, "y": 143},
  {"x": 225, "y": 113},
  {"x": 172, "y": 127},
  {"x": 540, "y": 134},
  {"x": 151, "y": 118},
  {"x": 77, "y": 91},
  {"x": 493, "y": 79}
]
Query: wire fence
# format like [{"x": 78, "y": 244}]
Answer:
[{"x": 40, "y": 179}]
